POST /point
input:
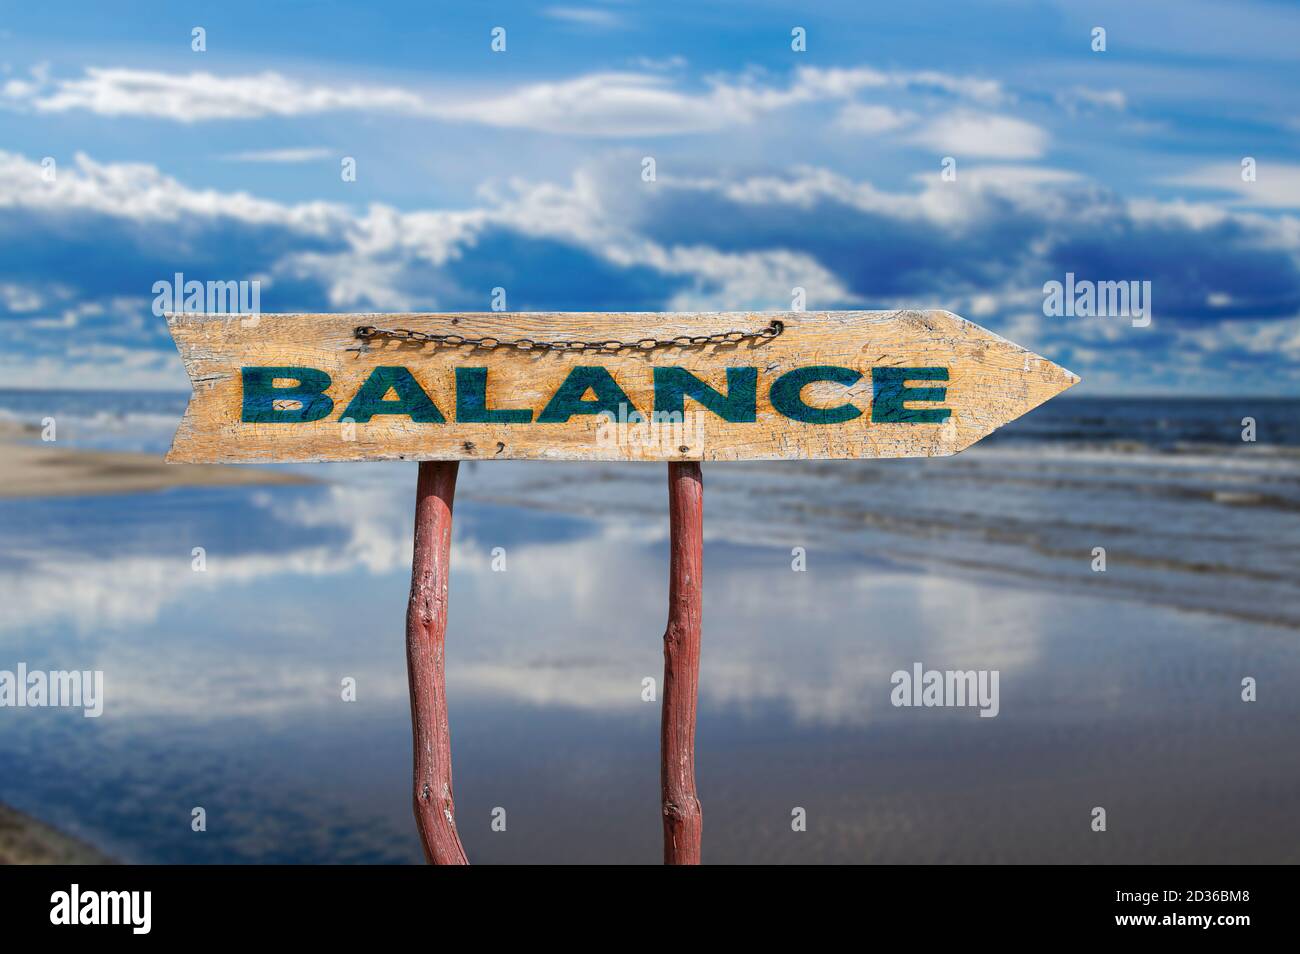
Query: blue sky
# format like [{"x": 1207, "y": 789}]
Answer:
[{"x": 773, "y": 169}]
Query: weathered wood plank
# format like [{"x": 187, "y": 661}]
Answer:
[{"x": 984, "y": 381}]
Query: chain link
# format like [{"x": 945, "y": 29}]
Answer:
[{"x": 370, "y": 333}]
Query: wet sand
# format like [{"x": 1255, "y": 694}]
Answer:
[
  {"x": 30, "y": 468},
  {"x": 1121, "y": 688},
  {"x": 26, "y": 841}
]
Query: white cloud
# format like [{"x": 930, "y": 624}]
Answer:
[
  {"x": 611, "y": 103},
  {"x": 1080, "y": 96},
  {"x": 379, "y": 252},
  {"x": 721, "y": 242},
  {"x": 586, "y": 16},
  {"x": 1276, "y": 185},
  {"x": 20, "y": 89},
  {"x": 761, "y": 281},
  {"x": 21, "y": 297},
  {"x": 1267, "y": 339},
  {"x": 1010, "y": 177},
  {"x": 138, "y": 191},
  {"x": 985, "y": 190},
  {"x": 674, "y": 62},
  {"x": 868, "y": 118},
  {"x": 985, "y": 91},
  {"x": 107, "y": 367},
  {"x": 984, "y": 135},
  {"x": 193, "y": 97},
  {"x": 308, "y": 154}
]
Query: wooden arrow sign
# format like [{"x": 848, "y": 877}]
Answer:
[
  {"x": 587, "y": 386},
  {"x": 593, "y": 386}
]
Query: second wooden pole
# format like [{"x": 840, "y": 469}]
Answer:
[{"x": 683, "y": 819}]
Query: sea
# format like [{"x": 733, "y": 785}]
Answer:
[{"x": 1130, "y": 567}]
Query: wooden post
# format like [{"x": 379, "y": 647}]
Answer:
[
  {"x": 426, "y": 626},
  {"x": 683, "y": 819}
]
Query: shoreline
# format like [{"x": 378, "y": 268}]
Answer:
[
  {"x": 29, "y": 468},
  {"x": 25, "y": 840}
]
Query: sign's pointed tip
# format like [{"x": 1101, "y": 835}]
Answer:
[
  {"x": 1068, "y": 378},
  {"x": 1063, "y": 376}
]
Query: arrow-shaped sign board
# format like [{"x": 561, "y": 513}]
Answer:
[{"x": 596, "y": 386}]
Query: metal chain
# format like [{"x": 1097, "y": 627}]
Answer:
[{"x": 370, "y": 332}]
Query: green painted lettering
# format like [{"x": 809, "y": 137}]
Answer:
[
  {"x": 471, "y": 401},
  {"x": 261, "y": 395},
  {"x": 890, "y": 394},
  {"x": 739, "y": 405},
  {"x": 787, "y": 394},
  {"x": 569, "y": 398},
  {"x": 371, "y": 398}
]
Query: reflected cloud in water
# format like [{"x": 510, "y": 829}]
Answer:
[{"x": 223, "y": 686}]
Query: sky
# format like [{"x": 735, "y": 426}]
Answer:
[{"x": 127, "y": 155}]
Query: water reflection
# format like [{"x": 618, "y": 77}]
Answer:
[{"x": 223, "y": 690}]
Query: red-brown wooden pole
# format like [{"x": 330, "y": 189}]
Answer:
[
  {"x": 426, "y": 626},
  {"x": 683, "y": 820}
]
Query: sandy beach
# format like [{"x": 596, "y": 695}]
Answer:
[
  {"x": 30, "y": 468},
  {"x": 26, "y": 841}
]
